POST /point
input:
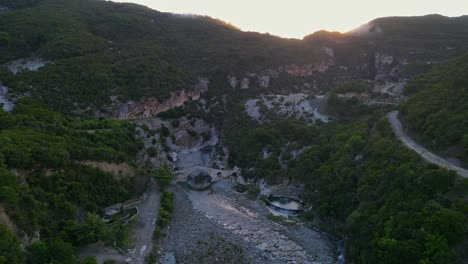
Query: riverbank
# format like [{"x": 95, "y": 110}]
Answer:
[{"x": 223, "y": 226}]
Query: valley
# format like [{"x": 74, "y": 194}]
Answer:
[{"x": 129, "y": 135}]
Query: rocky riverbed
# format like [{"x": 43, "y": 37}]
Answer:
[{"x": 223, "y": 226}]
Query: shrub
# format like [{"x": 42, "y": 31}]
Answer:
[
  {"x": 175, "y": 123},
  {"x": 163, "y": 176},
  {"x": 152, "y": 151},
  {"x": 192, "y": 133}
]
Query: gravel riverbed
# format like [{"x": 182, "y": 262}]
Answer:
[{"x": 222, "y": 226}]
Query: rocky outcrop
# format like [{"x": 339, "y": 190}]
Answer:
[
  {"x": 297, "y": 106},
  {"x": 245, "y": 83},
  {"x": 31, "y": 64},
  {"x": 5, "y": 220},
  {"x": 383, "y": 59},
  {"x": 6, "y": 104},
  {"x": 386, "y": 66},
  {"x": 117, "y": 170},
  {"x": 152, "y": 106},
  {"x": 232, "y": 80},
  {"x": 308, "y": 69},
  {"x": 263, "y": 79},
  {"x": 329, "y": 51}
]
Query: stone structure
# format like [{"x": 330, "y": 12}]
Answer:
[{"x": 199, "y": 180}]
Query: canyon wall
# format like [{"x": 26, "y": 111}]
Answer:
[
  {"x": 264, "y": 78},
  {"x": 148, "y": 107}
]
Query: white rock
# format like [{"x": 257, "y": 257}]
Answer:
[{"x": 31, "y": 64}]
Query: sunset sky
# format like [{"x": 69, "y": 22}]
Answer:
[{"x": 297, "y": 18}]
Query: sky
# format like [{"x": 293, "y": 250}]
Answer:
[{"x": 298, "y": 18}]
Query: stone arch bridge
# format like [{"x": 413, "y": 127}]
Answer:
[{"x": 216, "y": 175}]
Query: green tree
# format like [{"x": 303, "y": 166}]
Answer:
[
  {"x": 10, "y": 250},
  {"x": 61, "y": 252},
  {"x": 38, "y": 253},
  {"x": 89, "y": 260},
  {"x": 163, "y": 175},
  {"x": 437, "y": 251}
]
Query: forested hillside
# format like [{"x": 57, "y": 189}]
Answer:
[
  {"x": 438, "y": 108},
  {"x": 132, "y": 51},
  {"x": 391, "y": 206},
  {"x": 128, "y": 50},
  {"x": 50, "y": 194},
  {"x": 387, "y": 204}
]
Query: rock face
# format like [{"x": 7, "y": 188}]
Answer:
[
  {"x": 5, "y": 103},
  {"x": 245, "y": 83},
  {"x": 297, "y": 106},
  {"x": 117, "y": 170},
  {"x": 264, "y": 81},
  {"x": 264, "y": 78},
  {"x": 382, "y": 59},
  {"x": 242, "y": 83},
  {"x": 232, "y": 80},
  {"x": 152, "y": 106},
  {"x": 31, "y": 64},
  {"x": 329, "y": 51},
  {"x": 5, "y": 220},
  {"x": 386, "y": 66},
  {"x": 309, "y": 69}
]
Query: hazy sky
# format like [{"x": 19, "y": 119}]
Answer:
[{"x": 297, "y": 18}]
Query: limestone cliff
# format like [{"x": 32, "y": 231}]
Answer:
[
  {"x": 387, "y": 66},
  {"x": 148, "y": 107},
  {"x": 152, "y": 106},
  {"x": 264, "y": 79}
]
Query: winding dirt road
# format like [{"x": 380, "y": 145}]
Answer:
[
  {"x": 423, "y": 152},
  {"x": 142, "y": 233}
]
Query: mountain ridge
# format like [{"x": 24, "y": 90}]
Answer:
[{"x": 146, "y": 50}]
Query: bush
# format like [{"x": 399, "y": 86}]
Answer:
[
  {"x": 164, "y": 214},
  {"x": 157, "y": 234},
  {"x": 152, "y": 151},
  {"x": 89, "y": 260},
  {"x": 175, "y": 123},
  {"x": 10, "y": 250},
  {"x": 163, "y": 176},
  {"x": 164, "y": 131},
  {"x": 192, "y": 133},
  {"x": 252, "y": 191}
]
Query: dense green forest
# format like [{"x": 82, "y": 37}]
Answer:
[
  {"x": 128, "y": 50},
  {"x": 438, "y": 108},
  {"x": 96, "y": 49},
  {"x": 392, "y": 207},
  {"x": 395, "y": 208},
  {"x": 388, "y": 204},
  {"x": 52, "y": 193}
]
